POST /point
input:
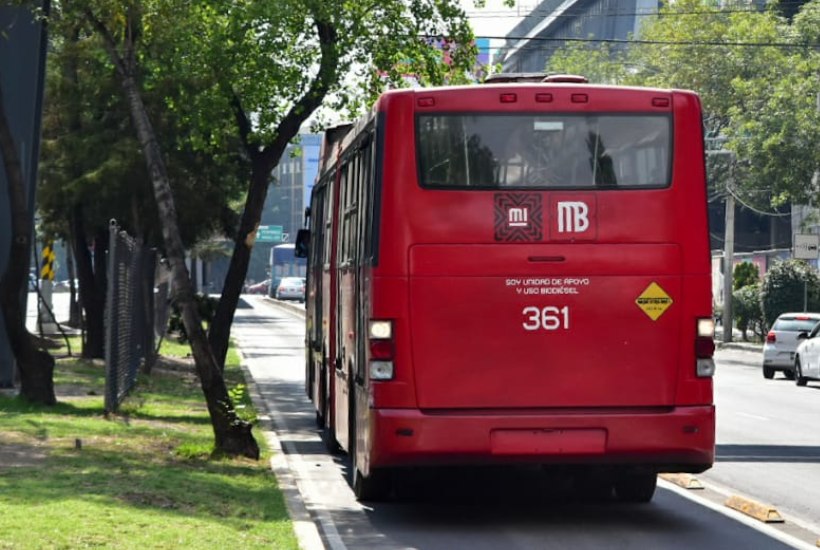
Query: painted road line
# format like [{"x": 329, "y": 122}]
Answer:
[
  {"x": 753, "y": 416},
  {"x": 683, "y": 480},
  {"x": 767, "y": 529},
  {"x": 761, "y": 512}
]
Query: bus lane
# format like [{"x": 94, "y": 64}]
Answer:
[{"x": 462, "y": 508}]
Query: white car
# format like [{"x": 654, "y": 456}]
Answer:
[
  {"x": 291, "y": 288},
  {"x": 781, "y": 342},
  {"x": 807, "y": 357}
]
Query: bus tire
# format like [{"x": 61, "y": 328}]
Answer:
[
  {"x": 373, "y": 488},
  {"x": 636, "y": 487},
  {"x": 329, "y": 434}
]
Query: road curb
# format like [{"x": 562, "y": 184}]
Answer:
[
  {"x": 304, "y": 526},
  {"x": 756, "y": 510},
  {"x": 745, "y": 346},
  {"x": 296, "y": 308}
]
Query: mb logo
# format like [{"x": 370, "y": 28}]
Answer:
[{"x": 573, "y": 217}]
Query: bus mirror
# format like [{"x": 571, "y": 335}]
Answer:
[{"x": 302, "y": 239}]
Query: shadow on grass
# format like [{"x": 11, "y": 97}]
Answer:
[{"x": 227, "y": 492}]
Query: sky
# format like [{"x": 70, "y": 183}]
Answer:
[{"x": 495, "y": 19}]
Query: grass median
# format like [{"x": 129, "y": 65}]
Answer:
[{"x": 143, "y": 478}]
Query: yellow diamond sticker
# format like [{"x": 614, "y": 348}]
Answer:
[{"x": 654, "y": 301}]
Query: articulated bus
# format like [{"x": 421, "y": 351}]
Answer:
[{"x": 514, "y": 272}]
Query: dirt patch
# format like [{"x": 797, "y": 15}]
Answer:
[
  {"x": 175, "y": 364},
  {"x": 14, "y": 455}
]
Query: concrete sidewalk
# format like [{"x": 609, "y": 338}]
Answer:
[{"x": 737, "y": 341}]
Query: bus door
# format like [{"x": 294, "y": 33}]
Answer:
[{"x": 345, "y": 302}]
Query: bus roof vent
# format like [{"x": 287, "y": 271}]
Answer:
[
  {"x": 568, "y": 78},
  {"x": 503, "y": 78}
]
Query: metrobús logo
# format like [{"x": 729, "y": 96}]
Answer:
[{"x": 518, "y": 217}]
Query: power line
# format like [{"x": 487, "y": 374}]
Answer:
[
  {"x": 711, "y": 43},
  {"x": 753, "y": 209},
  {"x": 653, "y": 12}
]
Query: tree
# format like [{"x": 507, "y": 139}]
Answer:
[
  {"x": 789, "y": 285},
  {"x": 36, "y": 366},
  {"x": 747, "y": 310},
  {"x": 270, "y": 66},
  {"x": 81, "y": 190},
  {"x": 599, "y": 63},
  {"x": 273, "y": 64},
  {"x": 745, "y": 274}
]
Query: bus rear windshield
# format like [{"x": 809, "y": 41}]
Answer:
[{"x": 544, "y": 151}]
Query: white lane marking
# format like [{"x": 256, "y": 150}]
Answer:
[
  {"x": 753, "y": 416},
  {"x": 755, "y": 524}
]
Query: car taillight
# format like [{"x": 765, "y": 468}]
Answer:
[
  {"x": 771, "y": 338},
  {"x": 705, "y": 347},
  {"x": 382, "y": 348}
]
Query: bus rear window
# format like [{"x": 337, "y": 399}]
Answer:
[{"x": 544, "y": 151}]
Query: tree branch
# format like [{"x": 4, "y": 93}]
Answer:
[
  {"x": 312, "y": 99},
  {"x": 243, "y": 124},
  {"x": 108, "y": 41}
]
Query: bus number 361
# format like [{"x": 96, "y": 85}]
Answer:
[{"x": 547, "y": 318}]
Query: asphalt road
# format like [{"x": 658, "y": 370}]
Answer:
[
  {"x": 522, "y": 508},
  {"x": 768, "y": 440}
]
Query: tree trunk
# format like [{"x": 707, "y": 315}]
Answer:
[
  {"x": 93, "y": 283},
  {"x": 232, "y": 434},
  {"x": 74, "y": 316},
  {"x": 36, "y": 367}
]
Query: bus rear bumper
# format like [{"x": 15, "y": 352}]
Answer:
[{"x": 680, "y": 439}]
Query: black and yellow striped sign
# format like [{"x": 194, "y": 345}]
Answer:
[{"x": 47, "y": 265}]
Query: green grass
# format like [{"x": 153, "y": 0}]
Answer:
[{"x": 143, "y": 478}]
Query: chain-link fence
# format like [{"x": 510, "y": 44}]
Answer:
[{"x": 136, "y": 314}]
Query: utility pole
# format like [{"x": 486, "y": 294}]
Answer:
[
  {"x": 728, "y": 247},
  {"x": 728, "y": 264}
]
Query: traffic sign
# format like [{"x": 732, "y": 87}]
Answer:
[
  {"x": 269, "y": 234},
  {"x": 806, "y": 247}
]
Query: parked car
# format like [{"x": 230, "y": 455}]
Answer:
[
  {"x": 291, "y": 288},
  {"x": 259, "y": 288},
  {"x": 807, "y": 357},
  {"x": 781, "y": 342}
]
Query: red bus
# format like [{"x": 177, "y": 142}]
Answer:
[{"x": 514, "y": 272}]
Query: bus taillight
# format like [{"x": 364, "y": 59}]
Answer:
[
  {"x": 705, "y": 347},
  {"x": 380, "y": 339}
]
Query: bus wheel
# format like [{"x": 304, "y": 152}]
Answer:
[
  {"x": 329, "y": 435},
  {"x": 636, "y": 487},
  {"x": 375, "y": 487}
]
